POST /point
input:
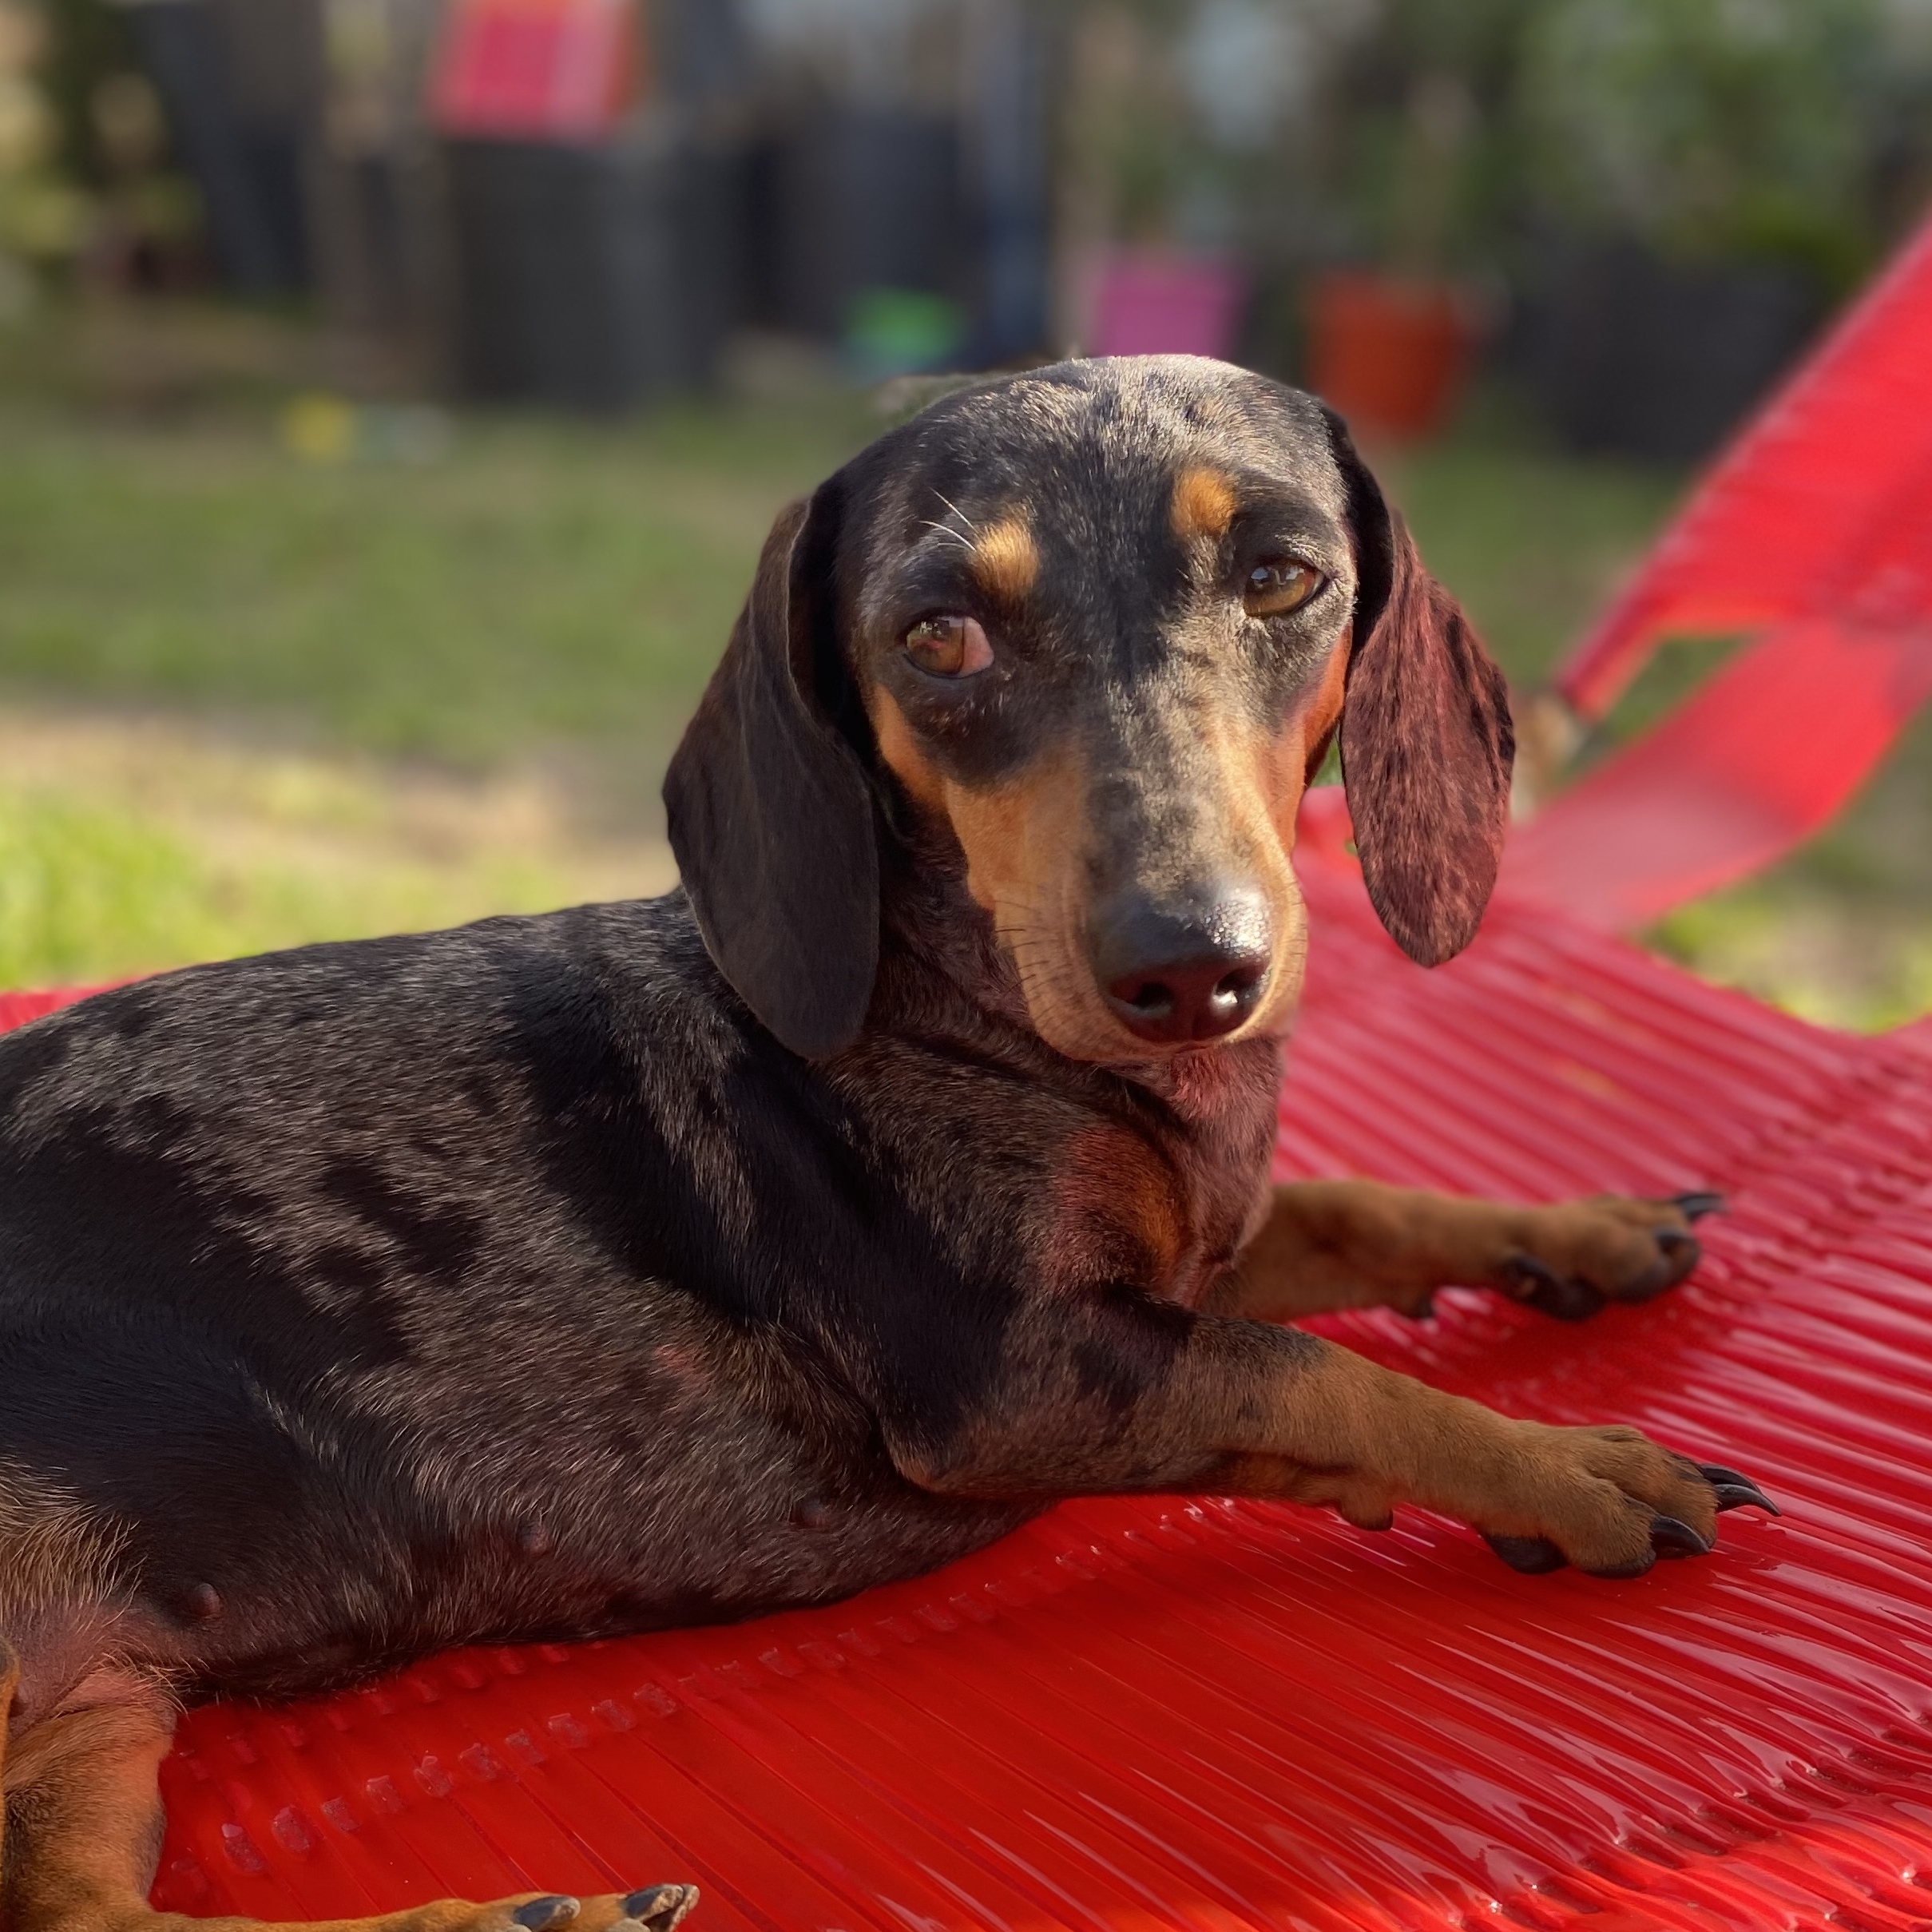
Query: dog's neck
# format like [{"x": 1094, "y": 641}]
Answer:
[{"x": 944, "y": 981}]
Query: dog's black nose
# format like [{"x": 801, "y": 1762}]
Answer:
[{"x": 1186, "y": 969}]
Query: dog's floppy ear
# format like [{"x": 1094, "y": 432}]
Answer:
[
  {"x": 1426, "y": 741},
  {"x": 770, "y": 813}
]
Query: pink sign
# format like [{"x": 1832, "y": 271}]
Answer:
[
  {"x": 544, "y": 70},
  {"x": 1156, "y": 303}
]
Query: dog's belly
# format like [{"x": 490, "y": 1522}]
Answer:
[
  {"x": 271, "y": 1553},
  {"x": 706, "y": 1562},
  {"x": 275, "y": 1538}
]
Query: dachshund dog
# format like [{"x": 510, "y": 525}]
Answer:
[{"x": 904, "y": 1172}]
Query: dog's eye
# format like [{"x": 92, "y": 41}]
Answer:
[
  {"x": 1279, "y": 586},
  {"x": 949, "y": 646}
]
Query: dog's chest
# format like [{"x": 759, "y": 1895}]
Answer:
[{"x": 1166, "y": 1203}]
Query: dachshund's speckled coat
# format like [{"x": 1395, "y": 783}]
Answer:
[{"x": 654, "y": 1264}]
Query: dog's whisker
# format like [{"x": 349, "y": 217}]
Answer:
[
  {"x": 957, "y": 511},
  {"x": 946, "y": 529}
]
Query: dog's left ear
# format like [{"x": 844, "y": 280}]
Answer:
[
  {"x": 770, "y": 813},
  {"x": 1426, "y": 741}
]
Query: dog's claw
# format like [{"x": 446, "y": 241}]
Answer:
[
  {"x": 659, "y": 1907},
  {"x": 1668, "y": 1538},
  {"x": 1696, "y": 1205},
  {"x": 1564, "y": 1299},
  {"x": 1677, "y": 1254},
  {"x": 1535, "y": 1555},
  {"x": 541, "y": 1914},
  {"x": 1424, "y": 1310},
  {"x": 1573, "y": 1301},
  {"x": 1735, "y": 1491}
]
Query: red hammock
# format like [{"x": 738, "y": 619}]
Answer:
[
  {"x": 1156, "y": 1714},
  {"x": 1813, "y": 532}
]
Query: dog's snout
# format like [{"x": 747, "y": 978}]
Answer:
[{"x": 1192, "y": 969}]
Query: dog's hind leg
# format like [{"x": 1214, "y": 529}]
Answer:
[
  {"x": 84, "y": 1825},
  {"x": 1329, "y": 1244}
]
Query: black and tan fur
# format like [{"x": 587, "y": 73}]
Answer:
[{"x": 657, "y": 1264}]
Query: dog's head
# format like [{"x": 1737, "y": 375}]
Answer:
[{"x": 1097, "y": 624}]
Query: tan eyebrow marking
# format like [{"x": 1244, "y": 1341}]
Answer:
[
  {"x": 1006, "y": 560},
  {"x": 1203, "y": 504}
]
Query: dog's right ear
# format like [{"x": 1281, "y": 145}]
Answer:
[
  {"x": 1426, "y": 741},
  {"x": 771, "y": 815}
]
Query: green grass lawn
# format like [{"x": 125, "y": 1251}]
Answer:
[
  {"x": 541, "y": 585},
  {"x": 180, "y": 597},
  {"x": 127, "y": 845},
  {"x": 548, "y": 597}
]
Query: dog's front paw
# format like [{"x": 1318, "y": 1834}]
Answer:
[
  {"x": 1573, "y": 1257},
  {"x": 1607, "y": 1499}
]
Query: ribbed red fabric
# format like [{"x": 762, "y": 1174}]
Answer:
[
  {"x": 1814, "y": 530},
  {"x": 1766, "y": 754},
  {"x": 1819, "y": 509}
]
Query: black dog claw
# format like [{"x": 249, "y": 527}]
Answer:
[
  {"x": 1668, "y": 1538},
  {"x": 1536, "y": 1287},
  {"x": 1569, "y": 1301},
  {"x": 1735, "y": 1491},
  {"x": 659, "y": 1907},
  {"x": 1424, "y": 1310},
  {"x": 539, "y": 1914},
  {"x": 1694, "y": 1207},
  {"x": 1678, "y": 1253},
  {"x": 1535, "y": 1555}
]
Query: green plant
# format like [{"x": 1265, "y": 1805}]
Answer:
[
  {"x": 41, "y": 214},
  {"x": 86, "y": 45},
  {"x": 1715, "y": 128},
  {"x": 1425, "y": 162}
]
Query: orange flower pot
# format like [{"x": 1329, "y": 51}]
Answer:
[{"x": 1392, "y": 356}]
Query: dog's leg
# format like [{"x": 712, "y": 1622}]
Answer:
[
  {"x": 1331, "y": 1244},
  {"x": 84, "y": 1828},
  {"x": 1121, "y": 1393}
]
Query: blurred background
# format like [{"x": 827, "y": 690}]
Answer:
[{"x": 394, "y": 393}]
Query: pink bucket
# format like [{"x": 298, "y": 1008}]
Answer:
[{"x": 1148, "y": 302}]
